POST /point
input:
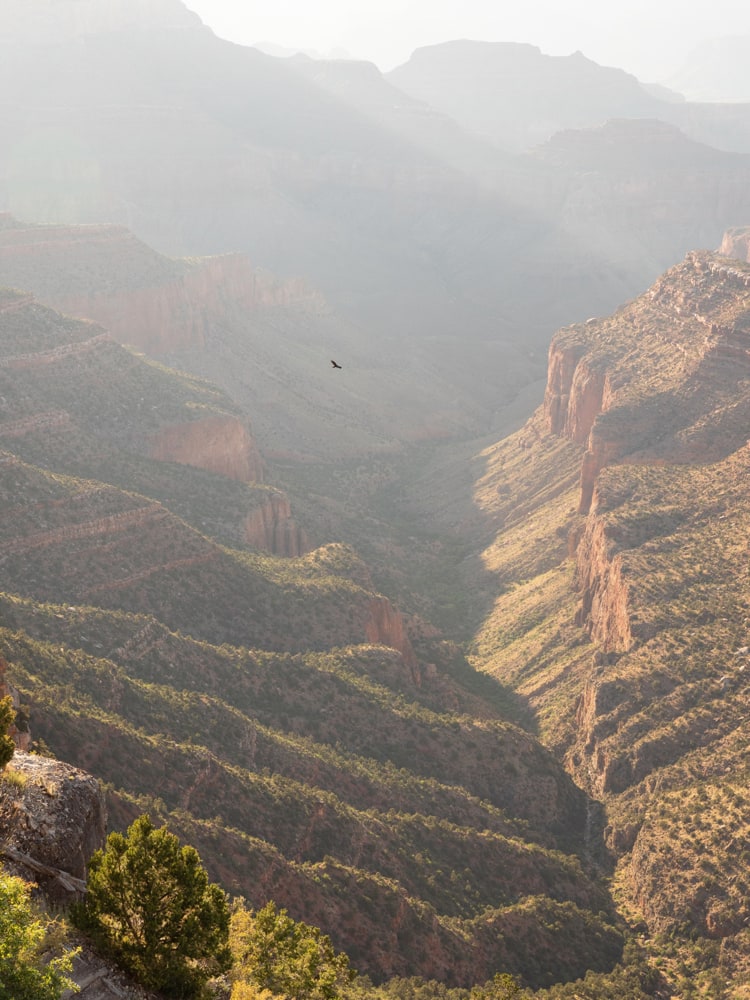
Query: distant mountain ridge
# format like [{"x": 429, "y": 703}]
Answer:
[
  {"x": 518, "y": 97},
  {"x": 515, "y": 95},
  {"x": 76, "y": 20}
]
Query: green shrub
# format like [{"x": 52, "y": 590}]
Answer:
[
  {"x": 287, "y": 957},
  {"x": 150, "y": 906},
  {"x": 27, "y": 970},
  {"x": 16, "y": 779}
]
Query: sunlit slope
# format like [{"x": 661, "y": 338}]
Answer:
[{"x": 622, "y": 607}]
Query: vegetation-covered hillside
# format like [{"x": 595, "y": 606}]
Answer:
[
  {"x": 622, "y": 612},
  {"x": 274, "y": 711}
]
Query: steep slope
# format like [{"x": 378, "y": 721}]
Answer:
[
  {"x": 107, "y": 413},
  {"x": 279, "y": 814},
  {"x": 623, "y": 593},
  {"x": 274, "y": 711}
]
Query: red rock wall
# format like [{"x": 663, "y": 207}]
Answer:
[
  {"x": 575, "y": 396},
  {"x": 604, "y": 610},
  {"x": 385, "y": 627},
  {"x": 272, "y": 528},
  {"x": 218, "y": 444},
  {"x": 561, "y": 368},
  {"x": 178, "y": 314}
]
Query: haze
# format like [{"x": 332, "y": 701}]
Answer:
[{"x": 649, "y": 39}]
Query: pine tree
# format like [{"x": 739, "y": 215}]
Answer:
[{"x": 150, "y": 906}]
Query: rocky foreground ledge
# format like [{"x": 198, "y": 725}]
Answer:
[{"x": 52, "y": 818}]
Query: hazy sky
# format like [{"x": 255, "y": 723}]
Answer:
[{"x": 647, "y": 37}]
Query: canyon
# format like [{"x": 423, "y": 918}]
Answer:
[
  {"x": 317, "y": 705},
  {"x": 446, "y": 651},
  {"x": 628, "y": 505}
]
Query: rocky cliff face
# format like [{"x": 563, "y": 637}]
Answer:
[
  {"x": 600, "y": 579},
  {"x": 218, "y": 444},
  {"x": 386, "y": 627},
  {"x": 271, "y": 528},
  {"x": 577, "y": 393}
]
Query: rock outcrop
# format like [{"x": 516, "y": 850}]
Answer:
[
  {"x": 52, "y": 815},
  {"x": 271, "y": 528},
  {"x": 386, "y": 627},
  {"x": 52, "y": 819},
  {"x": 221, "y": 444}
]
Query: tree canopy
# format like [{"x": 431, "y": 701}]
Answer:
[
  {"x": 149, "y": 904},
  {"x": 27, "y": 970},
  {"x": 286, "y": 957}
]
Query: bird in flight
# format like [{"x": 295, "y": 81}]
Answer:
[{"x": 334, "y": 364}]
